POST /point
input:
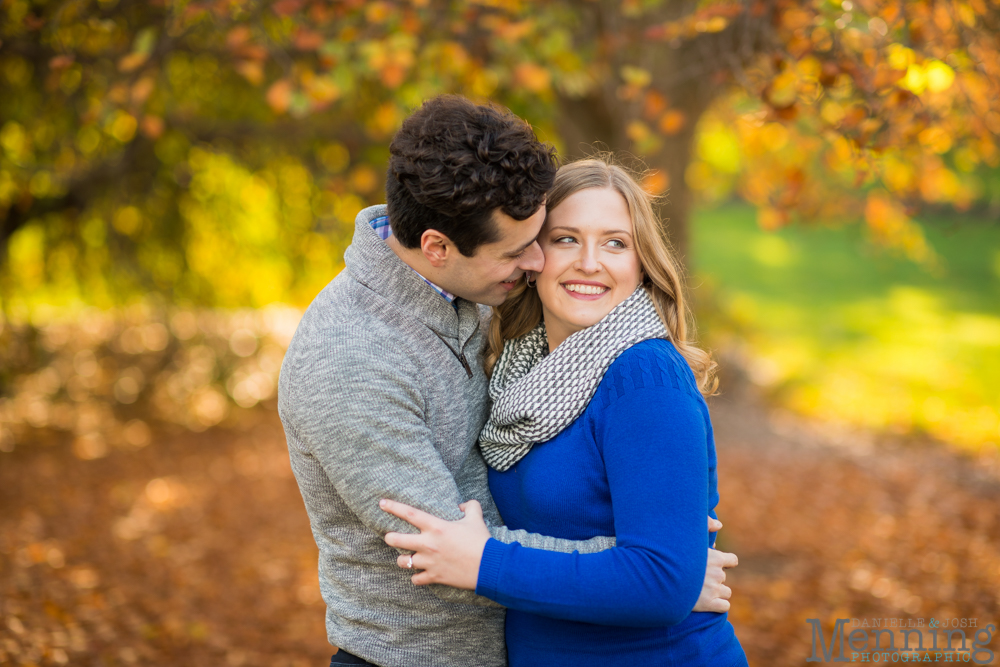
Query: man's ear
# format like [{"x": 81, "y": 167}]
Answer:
[{"x": 437, "y": 247}]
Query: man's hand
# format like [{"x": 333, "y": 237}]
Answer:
[{"x": 714, "y": 592}]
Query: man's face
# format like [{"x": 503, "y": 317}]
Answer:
[{"x": 492, "y": 271}]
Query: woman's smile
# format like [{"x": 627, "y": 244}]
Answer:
[{"x": 587, "y": 291}]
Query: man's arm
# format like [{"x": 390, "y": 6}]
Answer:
[{"x": 368, "y": 432}]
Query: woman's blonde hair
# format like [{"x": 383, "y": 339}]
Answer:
[{"x": 522, "y": 311}]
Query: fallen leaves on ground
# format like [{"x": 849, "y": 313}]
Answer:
[
  {"x": 831, "y": 524},
  {"x": 192, "y": 548},
  {"x": 193, "y": 551}
]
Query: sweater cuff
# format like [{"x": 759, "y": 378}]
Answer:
[{"x": 489, "y": 568}]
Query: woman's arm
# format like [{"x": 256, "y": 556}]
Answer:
[
  {"x": 448, "y": 553},
  {"x": 654, "y": 443}
]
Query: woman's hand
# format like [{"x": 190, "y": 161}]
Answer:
[{"x": 448, "y": 552}]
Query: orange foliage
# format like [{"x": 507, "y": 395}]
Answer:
[
  {"x": 823, "y": 101},
  {"x": 279, "y": 95},
  {"x": 532, "y": 77}
]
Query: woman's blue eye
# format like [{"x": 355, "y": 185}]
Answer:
[
  {"x": 620, "y": 244},
  {"x": 565, "y": 238}
]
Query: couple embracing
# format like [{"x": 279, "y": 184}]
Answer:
[{"x": 497, "y": 423}]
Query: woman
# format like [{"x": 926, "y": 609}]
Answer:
[{"x": 598, "y": 424}]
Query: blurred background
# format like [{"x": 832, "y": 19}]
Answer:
[{"x": 179, "y": 178}]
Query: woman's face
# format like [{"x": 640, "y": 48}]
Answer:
[{"x": 591, "y": 264}]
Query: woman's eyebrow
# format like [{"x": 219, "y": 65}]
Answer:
[{"x": 603, "y": 232}]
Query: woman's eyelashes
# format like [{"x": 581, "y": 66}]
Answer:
[{"x": 616, "y": 244}]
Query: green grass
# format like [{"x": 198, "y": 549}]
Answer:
[{"x": 840, "y": 329}]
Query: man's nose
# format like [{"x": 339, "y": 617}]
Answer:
[{"x": 533, "y": 259}]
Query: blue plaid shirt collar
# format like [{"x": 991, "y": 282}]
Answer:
[{"x": 384, "y": 231}]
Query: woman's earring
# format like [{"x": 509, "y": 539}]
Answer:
[{"x": 527, "y": 279}]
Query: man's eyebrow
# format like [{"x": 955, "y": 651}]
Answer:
[
  {"x": 603, "y": 232},
  {"x": 512, "y": 253}
]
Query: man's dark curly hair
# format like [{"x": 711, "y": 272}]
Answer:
[{"x": 454, "y": 162}]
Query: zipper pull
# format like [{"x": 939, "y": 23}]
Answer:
[{"x": 465, "y": 365}]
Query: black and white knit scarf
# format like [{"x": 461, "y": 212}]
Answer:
[{"x": 536, "y": 395}]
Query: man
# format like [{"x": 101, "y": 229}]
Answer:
[{"x": 382, "y": 392}]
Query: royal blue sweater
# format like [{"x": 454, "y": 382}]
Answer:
[{"x": 639, "y": 464}]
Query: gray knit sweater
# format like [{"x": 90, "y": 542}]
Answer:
[{"x": 382, "y": 395}]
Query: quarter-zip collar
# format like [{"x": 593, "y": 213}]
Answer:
[{"x": 372, "y": 263}]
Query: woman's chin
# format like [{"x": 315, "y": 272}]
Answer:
[
  {"x": 584, "y": 318},
  {"x": 581, "y": 314}
]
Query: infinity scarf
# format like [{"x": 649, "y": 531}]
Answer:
[{"x": 536, "y": 395}]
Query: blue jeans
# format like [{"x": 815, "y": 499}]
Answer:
[{"x": 342, "y": 657}]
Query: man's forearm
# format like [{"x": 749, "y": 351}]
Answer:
[{"x": 536, "y": 541}]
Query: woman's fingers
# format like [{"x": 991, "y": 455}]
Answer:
[
  {"x": 410, "y": 515},
  {"x": 411, "y": 562},
  {"x": 472, "y": 508},
  {"x": 446, "y": 552},
  {"x": 404, "y": 541},
  {"x": 714, "y": 525},
  {"x": 421, "y": 579}
]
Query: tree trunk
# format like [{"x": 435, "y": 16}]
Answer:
[
  {"x": 690, "y": 73},
  {"x": 591, "y": 122}
]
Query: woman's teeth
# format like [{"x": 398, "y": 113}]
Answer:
[{"x": 586, "y": 289}]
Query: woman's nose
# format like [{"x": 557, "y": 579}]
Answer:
[{"x": 587, "y": 262}]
